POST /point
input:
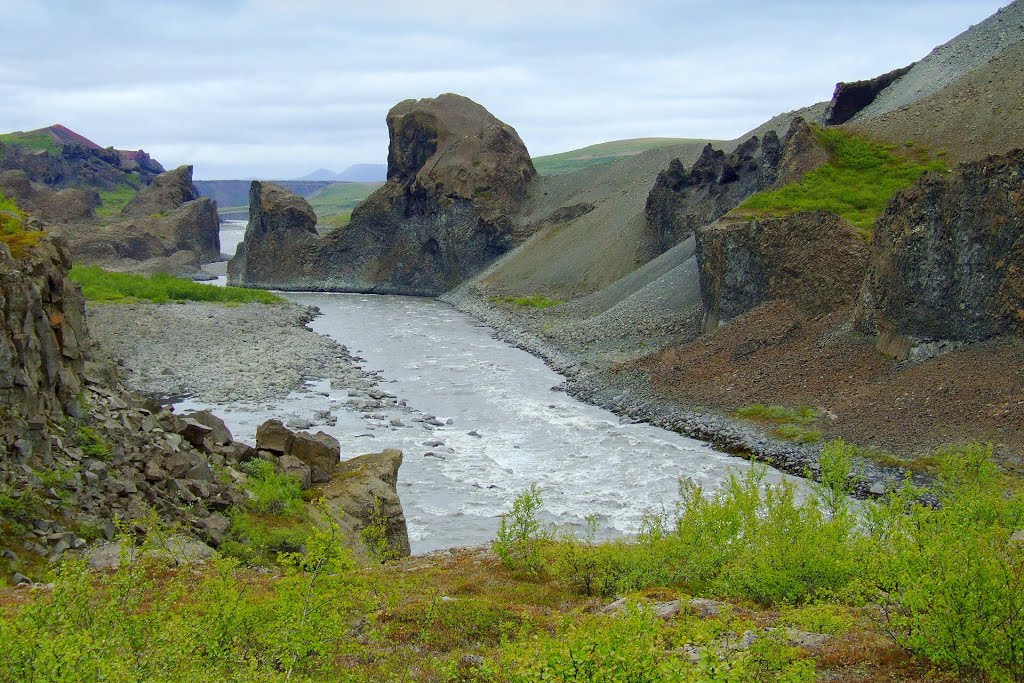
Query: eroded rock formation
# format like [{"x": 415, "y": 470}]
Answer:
[
  {"x": 850, "y": 98},
  {"x": 814, "y": 259},
  {"x": 280, "y": 240},
  {"x": 456, "y": 178},
  {"x": 682, "y": 201},
  {"x": 947, "y": 259},
  {"x": 46, "y": 203}
]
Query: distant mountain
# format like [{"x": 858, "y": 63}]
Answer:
[
  {"x": 357, "y": 173},
  {"x": 364, "y": 173},
  {"x": 320, "y": 174}
]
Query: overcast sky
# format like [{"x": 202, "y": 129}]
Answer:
[{"x": 278, "y": 88}]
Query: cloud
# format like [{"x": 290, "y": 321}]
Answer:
[{"x": 275, "y": 88}]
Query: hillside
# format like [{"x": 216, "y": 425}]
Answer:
[{"x": 602, "y": 153}]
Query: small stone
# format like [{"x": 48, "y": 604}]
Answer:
[{"x": 877, "y": 489}]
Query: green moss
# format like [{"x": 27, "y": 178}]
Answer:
[
  {"x": 856, "y": 183},
  {"x": 101, "y": 285},
  {"x": 13, "y": 230}
]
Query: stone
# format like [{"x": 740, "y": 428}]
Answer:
[
  {"x": 293, "y": 467},
  {"x": 195, "y": 432},
  {"x": 216, "y": 527},
  {"x": 850, "y": 98},
  {"x": 273, "y": 436},
  {"x": 363, "y": 492}
]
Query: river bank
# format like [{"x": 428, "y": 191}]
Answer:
[{"x": 628, "y": 393}]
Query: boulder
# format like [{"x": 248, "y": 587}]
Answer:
[
  {"x": 814, "y": 259},
  {"x": 363, "y": 493},
  {"x": 947, "y": 260},
  {"x": 683, "y": 201},
  {"x": 218, "y": 431},
  {"x": 293, "y": 467},
  {"x": 273, "y": 436},
  {"x": 320, "y": 451},
  {"x": 456, "y": 178}
]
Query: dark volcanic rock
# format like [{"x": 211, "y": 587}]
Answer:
[
  {"x": 850, "y": 98},
  {"x": 168, "y": 191},
  {"x": 814, "y": 259},
  {"x": 456, "y": 178},
  {"x": 947, "y": 261},
  {"x": 682, "y": 201},
  {"x": 60, "y": 206},
  {"x": 280, "y": 234}
]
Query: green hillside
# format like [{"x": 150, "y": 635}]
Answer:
[
  {"x": 338, "y": 198},
  {"x": 603, "y": 153}
]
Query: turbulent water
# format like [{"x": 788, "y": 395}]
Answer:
[{"x": 503, "y": 426}]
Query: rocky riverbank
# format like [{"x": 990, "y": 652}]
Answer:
[
  {"x": 251, "y": 353},
  {"x": 629, "y": 394}
]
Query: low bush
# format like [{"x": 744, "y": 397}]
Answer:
[
  {"x": 102, "y": 285},
  {"x": 520, "y": 535}
]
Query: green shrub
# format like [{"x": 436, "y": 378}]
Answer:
[
  {"x": 856, "y": 183},
  {"x": 93, "y": 444},
  {"x": 101, "y": 285},
  {"x": 273, "y": 493},
  {"x": 520, "y": 536}
]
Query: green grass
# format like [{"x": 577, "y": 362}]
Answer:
[
  {"x": 338, "y": 220},
  {"x": 759, "y": 412},
  {"x": 12, "y": 228},
  {"x": 595, "y": 155},
  {"x": 42, "y": 142},
  {"x": 112, "y": 202},
  {"x": 101, "y": 285},
  {"x": 857, "y": 183},
  {"x": 339, "y": 197},
  {"x": 533, "y": 301}
]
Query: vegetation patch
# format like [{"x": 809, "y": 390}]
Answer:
[
  {"x": 13, "y": 230},
  {"x": 533, "y": 301},
  {"x": 596, "y": 155},
  {"x": 40, "y": 142},
  {"x": 856, "y": 183},
  {"x": 112, "y": 202},
  {"x": 338, "y": 220},
  {"x": 106, "y": 286},
  {"x": 338, "y": 197}
]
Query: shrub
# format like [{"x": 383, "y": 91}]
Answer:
[
  {"x": 519, "y": 539},
  {"x": 273, "y": 493},
  {"x": 93, "y": 444}
]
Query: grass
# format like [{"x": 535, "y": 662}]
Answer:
[
  {"x": 901, "y": 592},
  {"x": 338, "y": 197},
  {"x": 110, "y": 287},
  {"x": 791, "y": 424},
  {"x": 337, "y": 221},
  {"x": 41, "y": 142},
  {"x": 12, "y": 228},
  {"x": 533, "y": 301},
  {"x": 112, "y": 202},
  {"x": 595, "y": 155},
  {"x": 857, "y": 183}
]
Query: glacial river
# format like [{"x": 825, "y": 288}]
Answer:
[{"x": 503, "y": 426}]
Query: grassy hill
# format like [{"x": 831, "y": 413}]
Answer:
[{"x": 603, "y": 153}]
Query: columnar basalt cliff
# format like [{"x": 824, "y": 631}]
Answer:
[
  {"x": 947, "y": 261},
  {"x": 682, "y": 201},
  {"x": 814, "y": 259},
  {"x": 456, "y": 179}
]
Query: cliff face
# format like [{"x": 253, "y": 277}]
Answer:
[
  {"x": 279, "y": 240},
  {"x": 683, "y": 201},
  {"x": 78, "y": 165},
  {"x": 456, "y": 177},
  {"x": 850, "y": 98},
  {"x": 947, "y": 260},
  {"x": 813, "y": 259}
]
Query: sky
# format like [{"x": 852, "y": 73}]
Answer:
[{"x": 277, "y": 88}]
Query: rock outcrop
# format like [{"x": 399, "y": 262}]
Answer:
[
  {"x": 814, "y": 259},
  {"x": 850, "y": 98},
  {"x": 682, "y": 201},
  {"x": 280, "y": 241},
  {"x": 46, "y": 203},
  {"x": 164, "y": 218},
  {"x": 456, "y": 178},
  {"x": 358, "y": 493},
  {"x": 363, "y": 494},
  {"x": 947, "y": 259}
]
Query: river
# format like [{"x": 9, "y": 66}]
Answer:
[{"x": 500, "y": 424}]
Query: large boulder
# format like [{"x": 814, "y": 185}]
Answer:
[
  {"x": 683, "y": 201},
  {"x": 363, "y": 494},
  {"x": 167, "y": 192},
  {"x": 318, "y": 453},
  {"x": 456, "y": 178},
  {"x": 947, "y": 259},
  {"x": 814, "y": 259}
]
